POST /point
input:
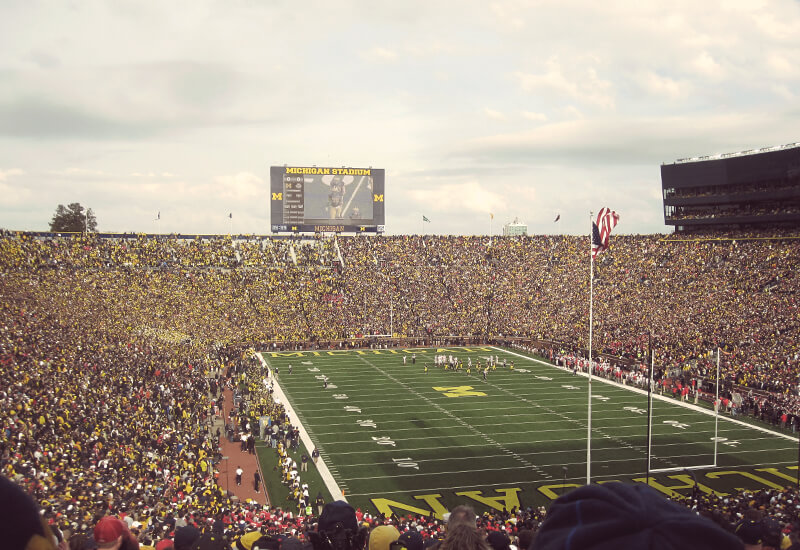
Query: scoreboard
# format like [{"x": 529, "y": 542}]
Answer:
[{"x": 312, "y": 199}]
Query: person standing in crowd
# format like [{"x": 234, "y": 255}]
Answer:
[
  {"x": 256, "y": 481},
  {"x": 111, "y": 533}
]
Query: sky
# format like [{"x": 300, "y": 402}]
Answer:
[{"x": 522, "y": 109}]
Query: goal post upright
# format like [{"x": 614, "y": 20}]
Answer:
[
  {"x": 650, "y": 469},
  {"x": 715, "y": 438}
]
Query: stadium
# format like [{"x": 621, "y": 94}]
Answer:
[{"x": 242, "y": 382}]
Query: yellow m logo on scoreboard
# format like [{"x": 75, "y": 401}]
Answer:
[
  {"x": 377, "y": 198},
  {"x": 277, "y": 196},
  {"x": 459, "y": 391}
]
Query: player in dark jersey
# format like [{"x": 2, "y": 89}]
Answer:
[{"x": 336, "y": 198}]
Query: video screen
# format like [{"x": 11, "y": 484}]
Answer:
[{"x": 321, "y": 199}]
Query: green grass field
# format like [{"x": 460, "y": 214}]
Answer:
[{"x": 398, "y": 439}]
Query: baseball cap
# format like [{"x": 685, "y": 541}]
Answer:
[
  {"x": 381, "y": 537},
  {"x": 338, "y": 512},
  {"x": 108, "y": 530},
  {"x": 410, "y": 540},
  {"x": 749, "y": 531},
  {"x": 247, "y": 540},
  {"x": 165, "y": 544}
]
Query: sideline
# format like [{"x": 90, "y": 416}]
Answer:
[
  {"x": 322, "y": 468},
  {"x": 640, "y": 391}
]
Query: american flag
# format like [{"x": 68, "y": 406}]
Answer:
[{"x": 601, "y": 230}]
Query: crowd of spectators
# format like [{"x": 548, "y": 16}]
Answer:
[
  {"x": 107, "y": 345},
  {"x": 735, "y": 189},
  {"x": 732, "y": 210}
]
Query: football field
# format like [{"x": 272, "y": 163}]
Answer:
[{"x": 396, "y": 438}]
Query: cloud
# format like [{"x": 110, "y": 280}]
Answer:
[
  {"x": 11, "y": 194},
  {"x": 536, "y": 117},
  {"x": 705, "y": 65},
  {"x": 14, "y": 196},
  {"x": 6, "y": 174},
  {"x": 80, "y": 173},
  {"x": 240, "y": 186},
  {"x": 35, "y": 117},
  {"x": 379, "y": 54},
  {"x": 508, "y": 15},
  {"x": 662, "y": 86},
  {"x": 780, "y": 66},
  {"x": 43, "y": 60},
  {"x": 639, "y": 140},
  {"x": 465, "y": 197},
  {"x": 494, "y": 115},
  {"x": 781, "y": 25},
  {"x": 581, "y": 84},
  {"x": 571, "y": 112}
]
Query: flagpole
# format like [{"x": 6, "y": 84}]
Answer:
[
  {"x": 589, "y": 404},
  {"x": 716, "y": 413},
  {"x": 649, "y": 402}
]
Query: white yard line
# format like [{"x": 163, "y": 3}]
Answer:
[
  {"x": 640, "y": 391},
  {"x": 458, "y": 420}
]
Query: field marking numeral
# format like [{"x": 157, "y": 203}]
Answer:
[
  {"x": 340, "y": 395},
  {"x": 352, "y": 409},
  {"x": 383, "y": 440},
  {"x": 725, "y": 441},
  {"x": 676, "y": 424},
  {"x": 366, "y": 423},
  {"x": 405, "y": 463},
  {"x": 570, "y": 387},
  {"x": 636, "y": 410}
]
